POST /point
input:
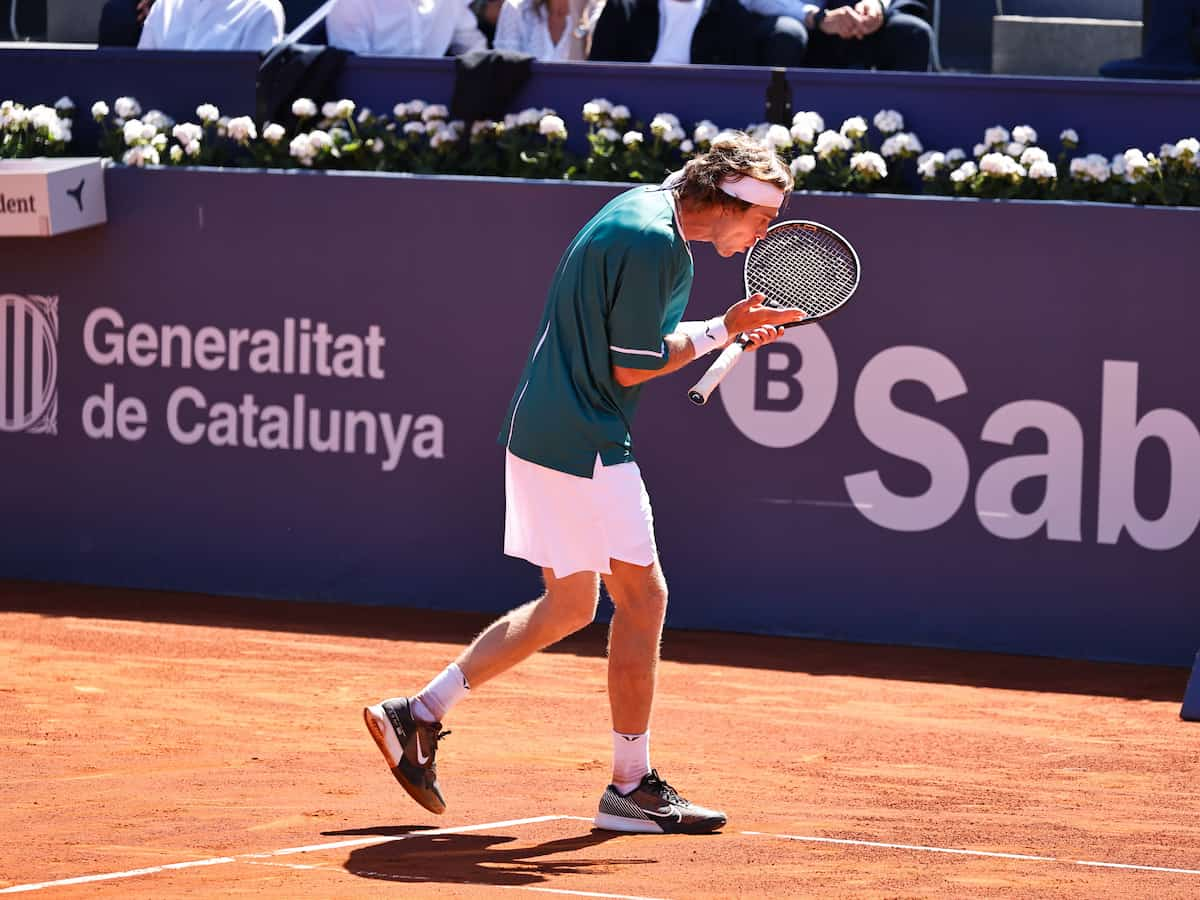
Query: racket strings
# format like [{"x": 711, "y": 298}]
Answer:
[{"x": 802, "y": 268}]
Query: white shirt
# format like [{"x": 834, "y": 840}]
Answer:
[
  {"x": 524, "y": 27},
  {"x": 404, "y": 27},
  {"x": 677, "y": 20},
  {"x": 212, "y": 25}
]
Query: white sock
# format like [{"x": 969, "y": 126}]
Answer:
[
  {"x": 631, "y": 760},
  {"x": 434, "y": 702}
]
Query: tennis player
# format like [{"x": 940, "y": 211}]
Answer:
[{"x": 575, "y": 502}]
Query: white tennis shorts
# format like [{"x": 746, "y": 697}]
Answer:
[{"x": 571, "y": 524}]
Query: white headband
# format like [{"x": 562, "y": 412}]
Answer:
[{"x": 760, "y": 193}]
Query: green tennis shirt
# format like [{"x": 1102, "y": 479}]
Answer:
[{"x": 619, "y": 289}]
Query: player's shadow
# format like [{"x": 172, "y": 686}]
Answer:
[{"x": 480, "y": 858}]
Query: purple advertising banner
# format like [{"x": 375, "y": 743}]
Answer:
[{"x": 290, "y": 385}]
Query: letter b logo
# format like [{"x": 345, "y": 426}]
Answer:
[{"x": 781, "y": 395}]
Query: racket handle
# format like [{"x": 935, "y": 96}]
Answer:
[{"x": 708, "y": 382}]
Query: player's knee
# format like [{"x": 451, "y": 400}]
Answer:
[
  {"x": 572, "y": 609},
  {"x": 646, "y": 607}
]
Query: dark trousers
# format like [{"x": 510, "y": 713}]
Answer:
[{"x": 902, "y": 44}]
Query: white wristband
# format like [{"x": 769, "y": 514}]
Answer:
[{"x": 714, "y": 336}]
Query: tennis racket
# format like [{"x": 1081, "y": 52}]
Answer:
[{"x": 797, "y": 265}]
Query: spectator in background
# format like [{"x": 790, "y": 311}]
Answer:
[
  {"x": 713, "y": 32},
  {"x": 546, "y": 29},
  {"x": 121, "y": 22},
  {"x": 212, "y": 25},
  {"x": 844, "y": 34},
  {"x": 404, "y": 27}
]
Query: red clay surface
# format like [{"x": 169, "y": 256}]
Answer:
[{"x": 143, "y": 729}]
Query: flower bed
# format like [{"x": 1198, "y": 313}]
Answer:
[{"x": 878, "y": 157}]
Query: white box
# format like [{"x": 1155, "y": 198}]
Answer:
[{"x": 43, "y": 197}]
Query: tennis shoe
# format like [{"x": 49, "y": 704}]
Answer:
[
  {"x": 410, "y": 748},
  {"x": 654, "y": 807}
]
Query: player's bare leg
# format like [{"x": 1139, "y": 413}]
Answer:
[
  {"x": 567, "y": 605},
  {"x": 638, "y": 800},
  {"x": 407, "y": 729}
]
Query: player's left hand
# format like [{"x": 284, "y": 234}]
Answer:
[{"x": 760, "y": 337}]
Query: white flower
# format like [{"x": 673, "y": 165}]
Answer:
[
  {"x": 831, "y": 142},
  {"x": 632, "y": 138},
  {"x": 592, "y": 111},
  {"x": 609, "y": 134},
  {"x": 620, "y": 113},
  {"x": 127, "y": 107},
  {"x": 854, "y": 127},
  {"x": 441, "y": 138},
  {"x": 329, "y": 109},
  {"x": 143, "y": 155},
  {"x": 435, "y": 111},
  {"x": 929, "y": 164},
  {"x": 1015, "y": 149},
  {"x": 192, "y": 148},
  {"x": 273, "y": 133},
  {"x": 304, "y": 109},
  {"x": 302, "y": 149},
  {"x": 1187, "y": 148},
  {"x": 99, "y": 110},
  {"x": 207, "y": 113},
  {"x": 529, "y": 117},
  {"x": 343, "y": 109},
  {"x": 414, "y": 107},
  {"x": 1166, "y": 151},
  {"x": 222, "y": 126},
  {"x": 1043, "y": 170},
  {"x": 339, "y": 136},
  {"x": 481, "y": 127},
  {"x": 779, "y": 137},
  {"x": 686, "y": 146},
  {"x": 377, "y": 145},
  {"x": 604, "y": 106},
  {"x": 553, "y": 128},
  {"x": 1023, "y": 134},
  {"x": 1134, "y": 164},
  {"x": 978, "y": 150},
  {"x": 803, "y": 133},
  {"x": 65, "y": 105},
  {"x": 1032, "y": 155},
  {"x": 705, "y": 132},
  {"x": 414, "y": 128},
  {"x": 363, "y": 115},
  {"x": 901, "y": 144},
  {"x": 997, "y": 165},
  {"x": 803, "y": 164},
  {"x": 43, "y": 117},
  {"x": 955, "y": 154},
  {"x": 659, "y": 126},
  {"x": 1092, "y": 167},
  {"x": 676, "y": 135},
  {"x": 996, "y": 135},
  {"x": 870, "y": 165},
  {"x": 176, "y": 154},
  {"x": 811, "y": 119},
  {"x": 242, "y": 129},
  {"x": 159, "y": 142},
  {"x": 965, "y": 172},
  {"x": 1117, "y": 165},
  {"x": 320, "y": 140},
  {"x": 1069, "y": 138},
  {"x": 132, "y": 131},
  {"x": 187, "y": 132},
  {"x": 888, "y": 121}
]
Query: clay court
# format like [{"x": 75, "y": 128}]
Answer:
[{"x": 167, "y": 745}]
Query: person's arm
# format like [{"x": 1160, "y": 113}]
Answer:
[
  {"x": 761, "y": 325},
  {"x": 349, "y": 29},
  {"x": 152, "y": 27}
]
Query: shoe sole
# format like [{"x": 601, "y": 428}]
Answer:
[
  {"x": 379, "y": 735},
  {"x": 609, "y": 822}
]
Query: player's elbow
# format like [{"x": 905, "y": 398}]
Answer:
[{"x": 627, "y": 377}]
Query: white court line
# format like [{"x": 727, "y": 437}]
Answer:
[
  {"x": 1074, "y": 862},
  {"x": 219, "y": 860},
  {"x": 800, "y": 501}
]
